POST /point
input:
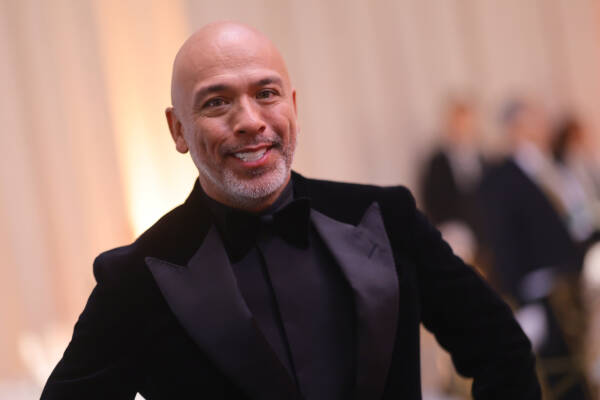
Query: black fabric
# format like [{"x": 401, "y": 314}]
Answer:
[
  {"x": 205, "y": 300},
  {"x": 527, "y": 235},
  {"x": 287, "y": 217},
  {"x": 443, "y": 199},
  {"x": 291, "y": 222},
  {"x": 127, "y": 339},
  {"x": 316, "y": 308},
  {"x": 294, "y": 289},
  {"x": 255, "y": 284},
  {"x": 523, "y": 230}
]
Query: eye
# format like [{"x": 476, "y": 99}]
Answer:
[
  {"x": 266, "y": 94},
  {"x": 215, "y": 102}
]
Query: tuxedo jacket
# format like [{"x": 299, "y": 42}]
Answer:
[
  {"x": 443, "y": 199},
  {"x": 524, "y": 229},
  {"x": 167, "y": 320}
]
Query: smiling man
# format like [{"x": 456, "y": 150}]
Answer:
[
  {"x": 268, "y": 285},
  {"x": 234, "y": 81}
]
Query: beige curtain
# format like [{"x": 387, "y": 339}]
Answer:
[{"x": 87, "y": 162}]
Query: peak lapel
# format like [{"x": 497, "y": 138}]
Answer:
[
  {"x": 207, "y": 302},
  {"x": 365, "y": 257}
]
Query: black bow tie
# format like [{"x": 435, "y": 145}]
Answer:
[{"x": 290, "y": 222}]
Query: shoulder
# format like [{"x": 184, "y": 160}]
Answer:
[
  {"x": 174, "y": 238},
  {"x": 502, "y": 170},
  {"x": 440, "y": 158},
  {"x": 502, "y": 181},
  {"x": 347, "y": 202},
  {"x": 116, "y": 267}
]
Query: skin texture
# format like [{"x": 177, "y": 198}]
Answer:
[{"x": 232, "y": 95}]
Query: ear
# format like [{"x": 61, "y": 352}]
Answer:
[
  {"x": 176, "y": 129},
  {"x": 295, "y": 110},
  {"x": 294, "y": 101}
]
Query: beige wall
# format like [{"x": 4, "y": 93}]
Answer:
[{"x": 86, "y": 160}]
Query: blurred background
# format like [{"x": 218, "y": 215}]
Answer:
[{"x": 486, "y": 109}]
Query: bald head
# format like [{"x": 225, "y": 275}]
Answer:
[
  {"x": 234, "y": 110},
  {"x": 216, "y": 46}
]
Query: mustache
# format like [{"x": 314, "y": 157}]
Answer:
[{"x": 274, "y": 141}]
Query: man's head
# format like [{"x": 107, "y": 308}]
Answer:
[
  {"x": 234, "y": 110},
  {"x": 526, "y": 121},
  {"x": 461, "y": 122}
]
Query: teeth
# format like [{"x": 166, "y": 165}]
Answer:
[{"x": 250, "y": 156}]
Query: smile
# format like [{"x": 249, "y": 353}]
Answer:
[{"x": 251, "y": 156}]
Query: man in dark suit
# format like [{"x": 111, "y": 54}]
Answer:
[
  {"x": 450, "y": 180},
  {"x": 268, "y": 285},
  {"x": 536, "y": 261},
  {"x": 452, "y": 173}
]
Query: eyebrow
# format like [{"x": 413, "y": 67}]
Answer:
[
  {"x": 269, "y": 80},
  {"x": 200, "y": 94},
  {"x": 219, "y": 87}
]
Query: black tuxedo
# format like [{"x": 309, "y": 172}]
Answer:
[
  {"x": 444, "y": 199},
  {"x": 166, "y": 318},
  {"x": 530, "y": 241},
  {"x": 524, "y": 229}
]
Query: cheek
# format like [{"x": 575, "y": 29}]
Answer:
[
  {"x": 283, "y": 120},
  {"x": 209, "y": 136}
]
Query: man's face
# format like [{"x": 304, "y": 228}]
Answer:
[
  {"x": 238, "y": 120},
  {"x": 532, "y": 125},
  {"x": 462, "y": 125}
]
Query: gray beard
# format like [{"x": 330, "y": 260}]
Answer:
[{"x": 247, "y": 192}]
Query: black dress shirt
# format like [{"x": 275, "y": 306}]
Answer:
[{"x": 296, "y": 292}]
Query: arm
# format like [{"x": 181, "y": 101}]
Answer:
[
  {"x": 97, "y": 364},
  {"x": 467, "y": 317},
  {"x": 503, "y": 236}
]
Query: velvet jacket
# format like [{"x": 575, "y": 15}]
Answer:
[{"x": 167, "y": 320}]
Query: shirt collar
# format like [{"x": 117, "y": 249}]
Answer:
[{"x": 239, "y": 228}]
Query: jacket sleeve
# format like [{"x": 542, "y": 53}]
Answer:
[
  {"x": 470, "y": 320},
  {"x": 98, "y": 362}
]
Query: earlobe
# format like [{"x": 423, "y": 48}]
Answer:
[{"x": 176, "y": 129}]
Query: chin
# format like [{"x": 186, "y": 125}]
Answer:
[
  {"x": 257, "y": 187},
  {"x": 247, "y": 190}
]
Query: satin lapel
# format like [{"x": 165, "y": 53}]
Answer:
[
  {"x": 365, "y": 257},
  {"x": 207, "y": 302}
]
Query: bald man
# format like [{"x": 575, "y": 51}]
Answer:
[{"x": 268, "y": 285}]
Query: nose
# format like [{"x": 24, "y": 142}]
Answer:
[{"x": 247, "y": 118}]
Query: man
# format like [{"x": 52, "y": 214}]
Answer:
[
  {"x": 268, "y": 285},
  {"x": 536, "y": 262},
  {"x": 454, "y": 169},
  {"x": 525, "y": 209},
  {"x": 450, "y": 180}
]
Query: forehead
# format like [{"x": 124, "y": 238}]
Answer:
[{"x": 229, "y": 57}]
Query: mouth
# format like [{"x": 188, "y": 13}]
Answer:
[{"x": 253, "y": 156}]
